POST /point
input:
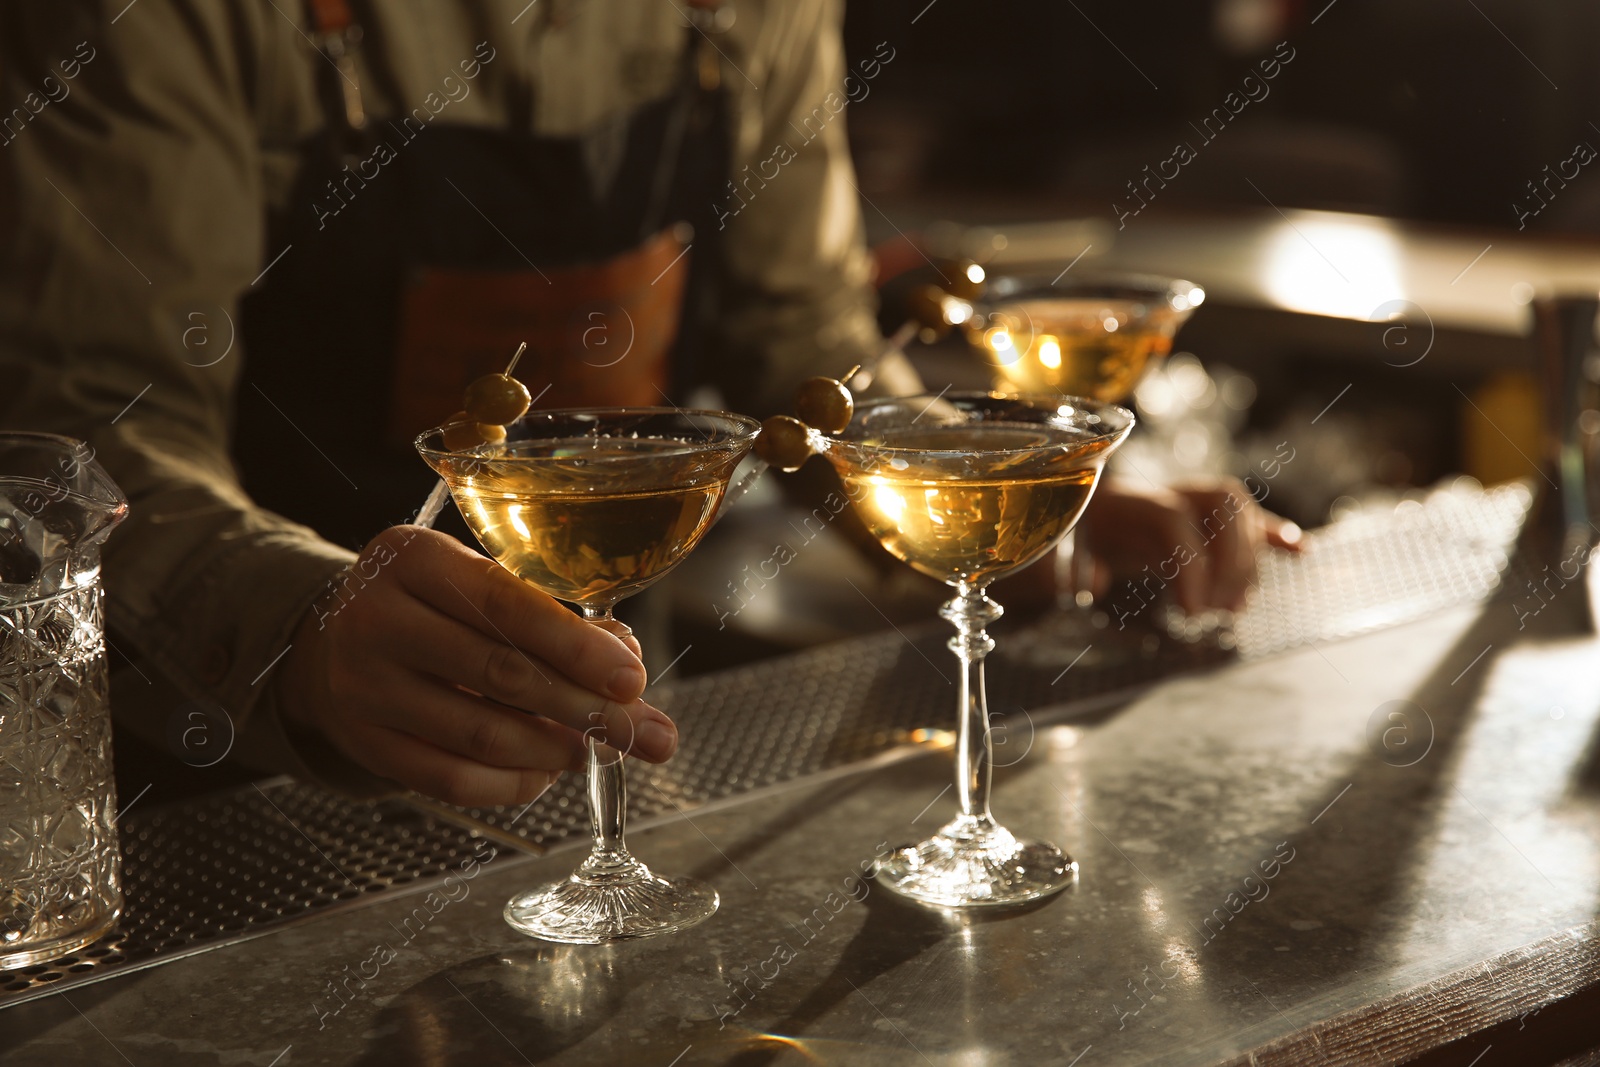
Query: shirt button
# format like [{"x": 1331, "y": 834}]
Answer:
[{"x": 214, "y": 665}]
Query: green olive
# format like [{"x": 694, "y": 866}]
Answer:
[
  {"x": 824, "y": 404},
  {"x": 461, "y": 433},
  {"x": 496, "y": 399},
  {"x": 783, "y": 442}
]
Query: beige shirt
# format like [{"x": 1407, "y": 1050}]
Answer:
[{"x": 145, "y": 145}]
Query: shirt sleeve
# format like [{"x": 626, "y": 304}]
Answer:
[
  {"x": 132, "y": 220},
  {"x": 798, "y": 296}
]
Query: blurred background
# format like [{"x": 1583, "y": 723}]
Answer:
[
  {"x": 1431, "y": 110},
  {"x": 1376, "y": 198},
  {"x": 1433, "y": 122}
]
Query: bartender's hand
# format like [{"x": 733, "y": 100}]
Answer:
[
  {"x": 442, "y": 671},
  {"x": 1208, "y": 532}
]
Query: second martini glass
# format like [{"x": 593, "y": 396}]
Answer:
[
  {"x": 966, "y": 488},
  {"x": 591, "y": 506},
  {"x": 1092, "y": 336},
  {"x": 1082, "y": 335}
]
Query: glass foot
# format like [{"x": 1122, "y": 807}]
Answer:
[
  {"x": 616, "y": 899},
  {"x": 975, "y": 863}
]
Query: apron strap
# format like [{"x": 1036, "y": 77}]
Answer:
[
  {"x": 699, "y": 81},
  {"x": 338, "y": 36}
]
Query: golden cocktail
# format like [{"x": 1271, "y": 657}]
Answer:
[
  {"x": 968, "y": 488},
  {"x": 591, "y": 506}
]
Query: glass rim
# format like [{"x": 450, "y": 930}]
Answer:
[
  {"x": 1029, "y": 284},
  {"x": 744, "y": 433},
  {"x": 1124, "y": 418},
  {"x": 101, "y": 492},
  {"x": 73, "y": 444}
]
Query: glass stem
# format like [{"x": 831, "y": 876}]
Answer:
[
  {"x": 970, "y": 611},
  {"x": 608, "y": 784},
  {"x": 1074, "y": 574}
]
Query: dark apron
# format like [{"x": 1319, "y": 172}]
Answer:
[{"x": 398, "y": 290}]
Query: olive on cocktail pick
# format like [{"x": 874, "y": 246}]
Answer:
[
  {"x": 491, "y": 432},
  {"x": 783, "y": 442},
  {"x": 497, "y": 399},
  {"x": 462, "y": 432},
  {"x": 489, "y": 403},
  {"x": 825, "y": 403},
  {"x": 936, "y": 311}
]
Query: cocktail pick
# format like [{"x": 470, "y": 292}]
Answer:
[
  {"x": 934, "y": 309},
  {"x": 821, "y": 402},
  {"x": 428, "y": 514},
  {"x": 895, "y": 344},
  {"x": 431, "y": 507}
]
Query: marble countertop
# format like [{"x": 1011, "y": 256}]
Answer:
[{"x": 1268, "y": 852}]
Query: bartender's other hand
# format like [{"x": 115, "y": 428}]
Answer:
[
  {"x": 1201, "y": 538},
  {"x": 435, "y": 667}
]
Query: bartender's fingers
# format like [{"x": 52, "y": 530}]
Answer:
[
  {"x": 467, "y": 725},
  {"x": 1127, "y": 531},
  {"x": 1229, "y": 525},
  {"x": 444, "y": 573},
  {"x": 1281, "y": 533},
  {"x": 1201, "y": 538},
  {"x": 451, "y": 778},
  {"x": 462, "y": 656},
  {"x": 1192, "y": 582}
]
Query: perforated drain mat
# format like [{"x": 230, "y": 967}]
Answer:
[{"x": 230, "y": 866}]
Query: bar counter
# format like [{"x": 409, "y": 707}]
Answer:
[{"x": 1355, "y": 851}]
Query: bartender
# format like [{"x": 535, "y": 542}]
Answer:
[{"x": 252, "y": 249}]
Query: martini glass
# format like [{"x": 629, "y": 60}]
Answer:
[
  {"x": 1088, "y": 335},
  {"x": 591, "y": 505},
  {"x": 966, "y": 488}
]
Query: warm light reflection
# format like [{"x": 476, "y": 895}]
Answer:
[
  {"x": 891, "y": 503},
  {"x": 998, "y": 339},
  {"x": 1192, "y": 299},
  {"x": 975, "y": 274},
  {"x": 1340, "y": 267},
  {"x": 514, "y": 513},
  {"x": 754, "y": 1041},
  {"x": 473, "y": 509},
  {"x": 1050, "y": 352},
  {"x": 955, "y": 310},
  {"x": 1182, "y": 957},
  {"x": 1154, "y": 907}
]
